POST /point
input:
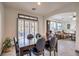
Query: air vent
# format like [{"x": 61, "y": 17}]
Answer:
[
  {"x": 74, "y": 16},
  {"x": 33, "y": 8}
]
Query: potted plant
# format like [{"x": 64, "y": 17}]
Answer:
[{"x": 7, "y": 45}]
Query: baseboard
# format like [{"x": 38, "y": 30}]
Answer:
[{"x": 77, "y": 51}]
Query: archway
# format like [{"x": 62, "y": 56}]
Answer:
[{"x": 67, "y": 22}]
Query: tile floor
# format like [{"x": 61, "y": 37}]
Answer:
[{"x": 65, "y": 48}]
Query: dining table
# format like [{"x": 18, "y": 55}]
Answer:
[{"x": 25, "y": 47}]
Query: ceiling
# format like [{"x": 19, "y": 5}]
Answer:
[
  {"x": 43, "y": 9},
  {"x": 64, "y": 16}
]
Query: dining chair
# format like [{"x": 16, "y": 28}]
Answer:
[
  {"x": 16, "y": 46},
  {"x": 51, "y": 45},
  {"x": 30, "y": 37},
  {"x": 17, "y": 49},
  {"x": 38, "y": 35},
  {"x": 39, "y": 48}
]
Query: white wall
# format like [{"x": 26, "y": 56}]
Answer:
[
  {"x": 1, "y": 25},
  {"x": 11, "y": 18},
  {"x": 72, "y": 26},
  {"x": 77, "y": 31},
  {"x": 64, "y": 23}
]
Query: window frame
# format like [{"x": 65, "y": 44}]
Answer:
[{"x": 24, "y": 22}]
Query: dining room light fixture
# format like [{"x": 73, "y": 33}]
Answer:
[{"x": 38, "y": 3}]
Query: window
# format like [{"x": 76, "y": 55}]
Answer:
[
  {"x": 59, "y": 26},
  {"x": 52, "y": 26},
  {"x": 55, "y": 26},
  {"x": 26, "y": 25}
]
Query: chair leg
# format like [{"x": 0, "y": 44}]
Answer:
[
  {"x": 30, "y": 53},
  {"x": 50, "y": 52},
  {"x": 43, "y": 52},
  {"x": 56, "y": 48},
  {"x": 54, "y": 52}
]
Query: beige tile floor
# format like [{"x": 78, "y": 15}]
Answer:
[{"x": 65, "y": 48}]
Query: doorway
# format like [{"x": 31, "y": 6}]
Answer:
[{"x": 66, "y": 40}]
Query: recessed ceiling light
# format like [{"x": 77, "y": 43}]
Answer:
[
  {"x": 38, "y": 3},
  {"x": 74, "y": 17}
]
